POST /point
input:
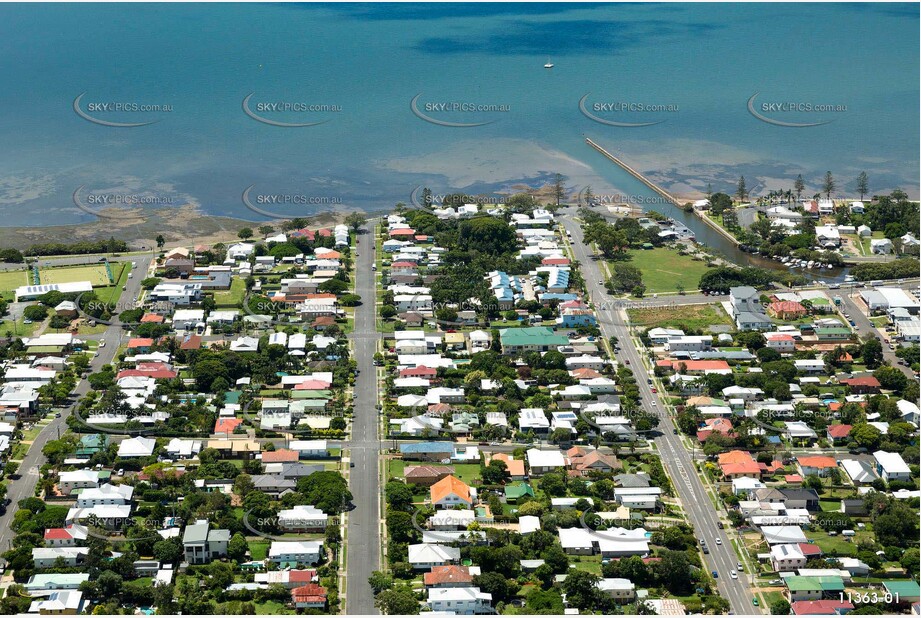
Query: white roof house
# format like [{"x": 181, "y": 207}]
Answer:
[
  {"x": 891, "y": 466},
  {"x": 137, "y": 447}
]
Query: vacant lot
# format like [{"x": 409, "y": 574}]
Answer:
[
  {"x": 685, "y": 317},
  {"x": 95, "y": 274},
  {"x": 666, "y": 271}
]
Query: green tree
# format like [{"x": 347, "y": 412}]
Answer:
[
  {"x": 828, "y": 184},
  {"x": 780, "y": 607},
  {"x": 581, "y": 589},
  {"x": 741, "y": 190},
  {"x": 160, "y": 241},
  {"x": 863, "y": 184},
  {"x": 355, "y": 220},
  {"x": 396, "y": 601},
  {"x": 799, "y": 186},
  {"x": 872, "y": 353},
  {"x": 237, "y": 547}
]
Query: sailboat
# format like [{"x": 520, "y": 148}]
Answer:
[{"x": 549, "y": 64}]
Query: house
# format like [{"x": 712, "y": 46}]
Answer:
[
  {"x": 891, "y": 466},
  {"x": 808, "y": 588},
  {"x": 203, "y": 544},
  {"x": 140, "y": 446},
  {"x": 295, "y": 552},
  {"x": 862, "y": 385},
  {"x": 302, "y": 518},
  {"x": 818, "y": 465},
  {"x": 426, "y": 476},
  {"x": 448, "y": 576},
  {"x": 59, "y": 602},
  {"x": 620, "y": 589},
  {"x": 735, "y": 464},
  {"x": 515, "y": 467},
  {"x": 450, "y": 492},
  {"x": 46, "y": 557},
  {"x": 105, "y": 494},
  {"x": 55, "y": 581},
  {"x": 530, "y": 339},
  {"x": 786, "y": 310},
  {"x": 782, "y": 342},
  {"x": 541, "y": 462},
  {"x": 311, "y": 596},
  {"x": 291, "y": 578},
  {"x": 467, "y": 600},
  {"x": 881, "y": 246},
  {"x": 745, "y": 307},
  {"x": 838, "y": 433},
  {"x": 907, "y": 591},
  {"x": 584, "y": 463},
  {"x": 689, "y": 343},
  {"x": 517, "y": 491},
  {"x": 427, "y": 451},
  {"x": 77, "y": 479},
  {"x": 787, "y": 557},
  {"x": 425, "y": 556},
  {"x": 860, "y": 472}
]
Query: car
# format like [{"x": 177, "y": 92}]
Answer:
[
  {"x": 721, "y": 525},
  {"x": 121, "y": 472},
  {"x": 27, "y": 321},
  {"x": 654, "y": 391},
  {"x": 627, "y": 361},
  {"x": 675, "y": 431},
  {"x": 740, "y": 567},
  {"x": 706, "y": 550},
  {"x": 351, "y": 464},
  {"x": 601, "y": 282},
  {"x": 733, "y": 575},
  {"x": 755, "y": 602},
  {"x": 703, "y": 542},
  {"x": 57, "y": 415},
  {"x": 648, "y": 380},
  {"x": 654, "y": 402},
  {"x": 715, "y": 575},
  {"x": 102, "y": 343},
  {"x": 719, "y": 541},
  {"x": 373, "y": 266}
]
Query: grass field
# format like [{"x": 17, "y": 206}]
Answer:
[
  {"x": 232, "y": 298},
  {"x": 465, "y": 472},
  {"x": 664, "y": 270},
  {"x": 10, "y": 280},
  {"x": 95, "y": 274},
  {"x": 679, "y": 316}
]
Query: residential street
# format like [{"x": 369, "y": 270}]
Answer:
[
  {"x": 364, "y": 539},
  {"x": 675, "y": 457},
  {"x": 24, "y": 486}
]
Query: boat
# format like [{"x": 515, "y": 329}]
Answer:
[
  {"x": 549, "y": 64},
  {"x": 810, "y": 264}
]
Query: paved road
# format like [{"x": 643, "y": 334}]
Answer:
[
  {"x": 24, "y": 486},
  {"x": 675, "y": 458},
  {"x": 865, "y": 327},
  {"x": 364, "y": 539}
]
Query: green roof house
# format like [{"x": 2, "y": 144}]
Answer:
[
  {"x": 530, "y": 339},
  {"x": 907, "y": 590},
  {"x": 517, "y": 491},
  {"x": 809, "y": 588}
]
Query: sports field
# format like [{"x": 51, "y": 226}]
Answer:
[{"x": 95, "y": 274}]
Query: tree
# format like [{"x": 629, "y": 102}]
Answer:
[
  {"x": 168, "y": 550},
  {"x": 720, "y": 202},
  {"x": 910, "y": 560},
  {"x": 245, "y": 233},
  {"x": 780, "y": 607},
  {"x": 160, "y": 241},
  {"x": 327, "y": 490},
  {"x": 674, "y": 571},
  {"x": 891, "y": 378},
  {"x": 559, "y": 190},
  {"x": 397, "y": 601},
  {"x": 237, "y": 547},
  {"x": 863, "y": 184},
  {"x": 501, "y": 588},
  {"x": 799, "y": 186},
  {"x": 828, "y": 184},
  {"x": 741, "y": 191},
  {"x": 496, "y": 473},
  {"x": 355, "y": 220},
  {"x": 625, "y": 277},
  {"x": 380, "y": 581},
  {"x": 872, "y": 353},
  {"x": 399, "y": 496},
  {"x": 581, "y": 589}
]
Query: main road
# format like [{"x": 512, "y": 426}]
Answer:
[
  {"x": 364, "y": 534},
  {"x": 676, "y": 460},
  {"x": 23, "y": 486}
]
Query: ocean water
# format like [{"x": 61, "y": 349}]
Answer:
[{"x": 700, "y": 63}]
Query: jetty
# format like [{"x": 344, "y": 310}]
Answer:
[{"x": 659, "y": 190}]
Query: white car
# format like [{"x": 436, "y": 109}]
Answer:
[
  {"x": 733, "y": 575},
  {"x": 719, "y": 541}
]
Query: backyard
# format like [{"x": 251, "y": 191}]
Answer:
[{"x": 664, "y": 270}]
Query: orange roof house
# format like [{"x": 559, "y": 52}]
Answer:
[
  {"x": 515, "y": 466},
  {"x": 140, "y": 342},
  {"x": 449, "y": 575},
  {"x": 816, "y": 464},
  {"x": 584, "y": 373},
  {"x": 449, "y": 492},
  {"x": 714, "y": 425},
  {"x": 311, "y": 595},
  {"x": 839, "y": 432},
  {"x": 786, "y": 310},
  {"x": 227, "y": 425},
  {"x": 282, "y": 455},
  {"x": 152, "y": 318},
  {"x": 735, "y": 464},
  {"x": 697, "y": 366}
]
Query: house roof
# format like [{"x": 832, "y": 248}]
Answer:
[
  {"x": 448, "y": 574},
  {"x": 311, "y": 593},
  {"x": 412, "y": 472},
  {"x": 450, "y": 485},
  {"x": 817, "y": 461},
  {"x": 825, "y": 607},
  {"x": 839, "y": 431},
  {"x": 227, "y": 425},
  {"x": 862, "y": 381},
  {"x": 280, "y": 456}
]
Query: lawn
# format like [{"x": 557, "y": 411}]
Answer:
[
  {"x": 666, "y": 271},
  {"x": 838, "y": 545},
  {"x": 270, "y": 608},
  {"x": 232, "y": 298},
  {"x": 258, "y": 549},
  {"x": 679, "y": 316},
  {"x": 10, "y": 280},
  {"x": 95, "y": 274}
]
